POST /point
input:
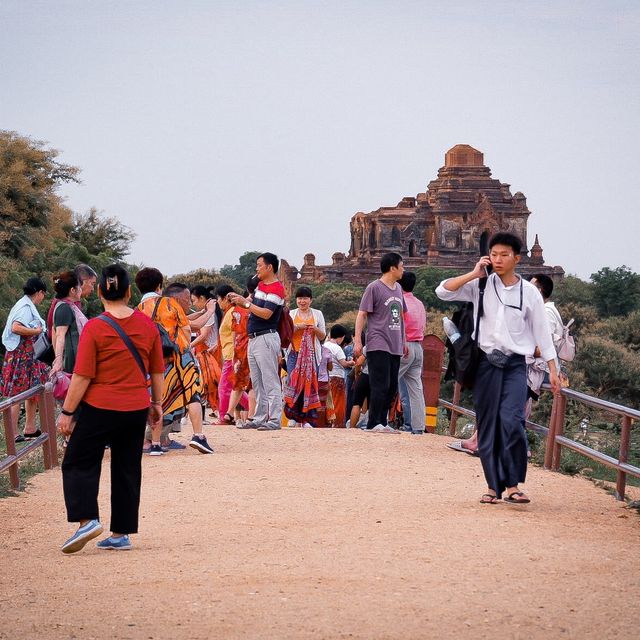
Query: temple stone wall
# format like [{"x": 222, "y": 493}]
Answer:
[{"x": 442, "y": 227}]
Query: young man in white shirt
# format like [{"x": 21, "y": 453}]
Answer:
[{"x": 512, "y": 324}]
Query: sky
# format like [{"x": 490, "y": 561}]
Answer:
[{"x": 215, "y": 128}]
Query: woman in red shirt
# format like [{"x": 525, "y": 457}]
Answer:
[{"x": 108, "y": 404}]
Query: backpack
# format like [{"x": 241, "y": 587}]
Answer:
[
  {"x": 285, "y": 327},
  {"x": 566, "y": 348},
  {"x": 169, "y": 347},
  {"x": 464, "y": 353}
]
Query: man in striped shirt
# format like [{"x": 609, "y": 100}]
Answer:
[{"x": 264, "y": 343}]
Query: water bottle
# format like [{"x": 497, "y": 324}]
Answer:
[{"x": 450, "y": 329}]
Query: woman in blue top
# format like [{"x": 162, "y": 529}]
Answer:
[{"x": 20, "y": 370}]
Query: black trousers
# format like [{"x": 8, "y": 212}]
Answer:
[
  {"x": 383, "y": 384},
  {"x": 499, "y": 396},
  {"x": 96, "y": 428}
]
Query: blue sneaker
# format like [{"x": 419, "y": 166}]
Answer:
[
  {"x": 86, "y": 532},
  {"x": 200, "y": 444},
  {"x": 120, "y": 544},
  {"x": 174, "y": 445}
]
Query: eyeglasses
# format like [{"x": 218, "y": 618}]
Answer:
[{"x": 511, "y": 306}]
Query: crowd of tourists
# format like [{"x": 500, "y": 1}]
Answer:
[{"x": 129, "y": 378}]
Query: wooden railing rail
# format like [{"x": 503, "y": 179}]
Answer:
[
  {"x": 555, "y": 438},
  {"x": 47, "y": 440}
]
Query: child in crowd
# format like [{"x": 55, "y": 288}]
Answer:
[
  {"x": 360, "y": 388},
  {"x": 337, "y": 373},
  {"x": 325, "y": 412}
]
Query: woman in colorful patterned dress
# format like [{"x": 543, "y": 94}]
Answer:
[{"x": 21, "y": 371}]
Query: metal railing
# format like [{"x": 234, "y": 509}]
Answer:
[
  {"x": 555, "y": 438},
  {"x": 47, "y": 440}
]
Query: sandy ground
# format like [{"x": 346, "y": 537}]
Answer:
[{"x": 326, "y": 534}]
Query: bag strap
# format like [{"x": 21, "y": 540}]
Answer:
[
  {"x": 481, "y": 287},
  {"x": 127, "y": 340},
  {"x": 155, "y": 309}
]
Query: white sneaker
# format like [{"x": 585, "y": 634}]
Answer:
[
  {"x": 383, "y": 428},
  {"x": 306, "y": 425},
  {"x": 292, "y": 423}
]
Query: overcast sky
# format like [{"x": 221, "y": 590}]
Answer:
[{"x": 214, "y": 128}]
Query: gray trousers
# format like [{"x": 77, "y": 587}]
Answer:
[
  {"x": 411, "y": 374},
  {"x": 265, "y": 377}
]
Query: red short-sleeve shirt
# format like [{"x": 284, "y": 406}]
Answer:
[{"x": 116, "y": 380}]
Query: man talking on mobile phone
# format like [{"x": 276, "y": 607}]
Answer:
[{"x": 513, "y": 323}]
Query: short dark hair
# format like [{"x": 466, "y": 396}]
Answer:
[
  {"x": 200, "y": 291},
  {"x": 408, "y": 281},
  {"x": 84, "y": 272},
  {"x": 304, "y": 292},
  {"x": 389, "y": 260},
  {"x": 174, "y": 289},
  {"x": 338, "y": 331},
  {"x": 270, "y": 258},
  {"x": 223, "y": 290},
  {"x": 148, "y": 280},
  {"x": 33, "y": 285},
  {"x": 114, "y": 282},
  {"x": 546, "y": 284},
  {"x": 64, "y": 282},
  {"x": 507, "y": 239}
]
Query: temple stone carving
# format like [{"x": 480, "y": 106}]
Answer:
[{"x": 442, "y": 227}]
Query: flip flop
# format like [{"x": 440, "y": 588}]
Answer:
[
  {"x": 521, "y": 498},
  {"x": 456, "y": 445},
  {"x": 489, "y": 498}
]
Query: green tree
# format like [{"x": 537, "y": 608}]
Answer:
[
  {"x": 616, "y": 291},
  {"x": 609, "y": 370},
  {"x": 427, "y": 279},
  {"x": 31, "y": 211},
  {"x": 336, "y": 299},
  {"x": 623, "y": 330},
  {"x": 242, "y": 271},
  {"x": 205, "y": 277},
  {"x": 573, "y": 290},
  {"x": 101, "y": 235}
]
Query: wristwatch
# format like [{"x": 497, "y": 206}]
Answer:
[{"x": 247, "y": 304}]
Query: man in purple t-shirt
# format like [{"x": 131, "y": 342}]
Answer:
[{"x": 382, "y": 308}]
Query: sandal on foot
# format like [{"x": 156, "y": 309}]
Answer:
[
  {"x": 489, "y": 498},
  {"x": 457, "y": 445},
  {"x": 517, "y": 497}
]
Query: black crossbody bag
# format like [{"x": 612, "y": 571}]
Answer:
[{"x": 128, "y": 342}]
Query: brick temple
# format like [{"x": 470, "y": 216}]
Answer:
[{"x": 442, "y": 227}]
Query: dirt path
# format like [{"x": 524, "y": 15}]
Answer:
[{"x": 326, "y": 534}]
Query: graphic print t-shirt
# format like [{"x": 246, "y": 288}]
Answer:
[{"x": 385, "y": 307}]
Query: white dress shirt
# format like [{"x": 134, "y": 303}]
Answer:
[{"x": 514, "y": 318}]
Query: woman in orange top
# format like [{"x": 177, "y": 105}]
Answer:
[{"x": 304, "y": 319}]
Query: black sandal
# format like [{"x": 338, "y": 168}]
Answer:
[
  {"x": 491, "y": 499},
  {"x": 35, "y": 434},
  {"x": 521, "y": 498}
]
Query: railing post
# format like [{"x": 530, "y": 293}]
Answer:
[
  {"x": 559, "y": 430},
  {"x": 453, "y": 425},
  {"x": 625, "y": 435},
  {"x": 48, "y": 404},
  {"x": 10, "y": 431},
  {"x": 433, "y": 356},
  {"x": 551, "y": 435}
]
